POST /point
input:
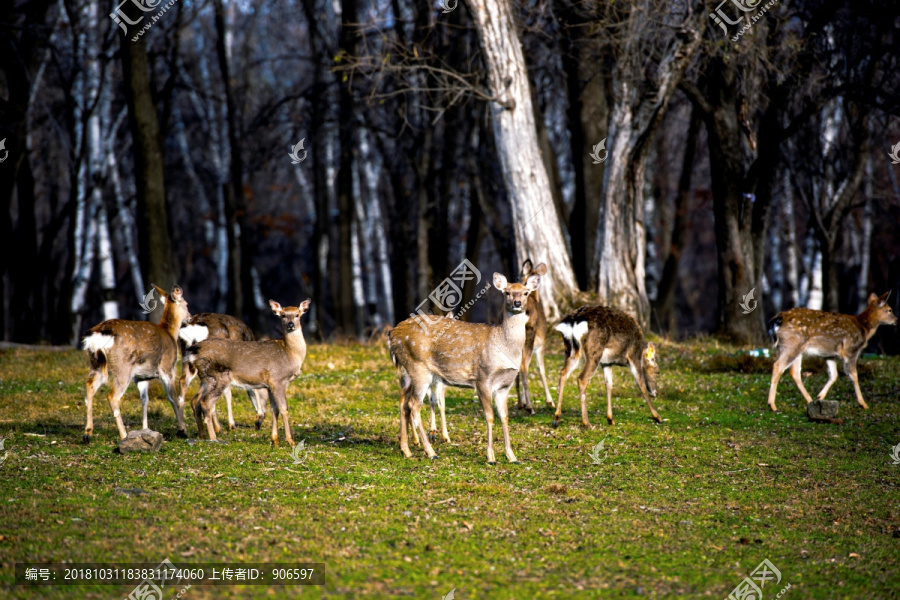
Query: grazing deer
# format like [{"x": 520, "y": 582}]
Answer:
[
  {"x": 605, "y": 337},
  {"x": 478, "y": 355},
  {"x": 270, "y": 365},
  {"x": 216, "y": 326},
  {"x": 800, "y": 331},
  {"x": 121, "y": 351},
  {"x": 535, "y": 334}
]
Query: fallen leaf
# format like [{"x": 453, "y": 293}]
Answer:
[
  {"x": 467, "y": 525},
  {"x": 854, "y": 555},
  {"x": 219, "y": 475}
]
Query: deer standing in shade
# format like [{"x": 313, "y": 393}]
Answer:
[{"x": 535, "y": 335}]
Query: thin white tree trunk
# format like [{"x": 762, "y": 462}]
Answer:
[
  {"x": 866, "y": 238},
  {"x": 128, "y": 227},
  {"x": 792, "y": 267},
  {"x": 536, "y": 224}
]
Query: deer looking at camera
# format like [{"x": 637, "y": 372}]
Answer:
[
  {"x": 121, "y": 351},
  {"x": 604, "y": 336},
  {"x": 800, "y": 331},
  {"x": 476, "y": 355},
  {"x": 270, "y": 365},
  {"x": 535, "y": 334},
  {"x": 205, "y": 326}
]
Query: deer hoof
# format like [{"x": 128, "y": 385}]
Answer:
[
  {"x": 232, "y": 427},
  {"x": 432, "y": 436},
  {"x": 555, "y": 423},
  {"x": 259, "y": 422},
  {"x": 86, "y": 438},
  {"x": 435, "y": 457},
  {"x": 182, "y": 434},
  {"x": 657, "y": 419},
  {"x": 492, "y": 462},
  {"x": 772, "y": 407}
]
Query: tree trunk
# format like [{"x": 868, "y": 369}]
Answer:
[
  {"x": 535, "y": 222},
  {"x": 154, "y": 238}
]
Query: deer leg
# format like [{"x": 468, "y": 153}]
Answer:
[
  {"x": 404, "y": 419},
  {"x": 484, "y": 395},
  {"x": 850, "y": 367},
  {"x": 607, "y": 379},
  {"x": 258, "y": 399},
  {"x": 584, "y": 379},
  {"x": 639, "y": 379},
  {"x": 143, "y": 389},
  {"x": 832, "y": 377},
  {"x": 525, "y": 397},
  {"x": 176, "y": 400},
  {"x": 214, "y": 418},
  {"x": 94, "y": 381},
  {"x": 117, "y": 389},
  {"x": 227, "y": 394},
  {"x": 783, "y": 361},
  {"x": 188, "y": 373},
  {"x": 571, "y": 363},
  {"x": 280, "y": 394},
  {"x": 796, "y": 374},
  {"x": 442, "y": 406},
  {"x": 414, "y": 399},
  {"x": 500, "y": 401},
  {"x": 432, "y": 404},
  {"x": 275, "y": 412},
  {"x": 539, "y": 358}
]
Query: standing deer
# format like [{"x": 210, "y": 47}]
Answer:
[
  {"x": 605, "y": 337},
  {"x": 800, "y": 331},
  {"x": 478, "y": 355},
  {"x": 204, "y": 326},
  {"x": 270, "y": 365},
  {"x": 121, "y": 351},
  {"x": 535, "y": 334}
]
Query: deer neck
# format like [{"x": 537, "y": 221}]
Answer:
[
  {"x": 294, "y": 344},
  {"x": 868, "y": 322},
  {"x": 171, "y": 323},
  {"x": 513, "y": 329}
]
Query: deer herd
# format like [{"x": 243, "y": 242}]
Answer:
[{"x": 429, "y": 353}]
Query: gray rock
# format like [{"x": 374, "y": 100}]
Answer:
[
  {"x": 822, "y": 410},
  {"x": 141, "y": 440}
]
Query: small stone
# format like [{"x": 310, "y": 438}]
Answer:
[
  {"x": 141, "y": 440},
  {"x": 822, "y": 410}
]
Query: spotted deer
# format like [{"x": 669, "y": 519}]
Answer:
[
  {"x": 269, "y": 364},
  {"x": 121, "y": 351},
  {"x": 475, "y": 355},
  {"x": 603, "y": 336},
  {"x": 203, "y": 326},
  {"x": 535, "y": 334},
  {"x": 800, "y": 331}
]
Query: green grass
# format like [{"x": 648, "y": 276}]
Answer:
[{"x": 686, "y": 508}]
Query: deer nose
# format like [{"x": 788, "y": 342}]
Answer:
[
  {"x": 518, "y": 303},
  {"x": 290, "y": 325}
]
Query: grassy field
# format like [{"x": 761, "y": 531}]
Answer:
[{"x": 686, "y": 508}]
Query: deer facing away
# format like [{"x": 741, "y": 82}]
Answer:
[
  {"x": 204, "y": 326},
  {"x": 476, "y": 355},
  {"x": 270, "y": 364},
  {"x": 800, "y": 331},
  {"x": 121, "y": 351},
  {"x": 535, "y": 334},
  {"x": 603, "y": 336}
]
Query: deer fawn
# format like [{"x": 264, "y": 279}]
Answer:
[
  {"x": 122, "y": 350},
  {"x": 271, "y": 364},
  {"x": 485, "y": 357},
  {"x": 216, "y": 326},
  {"x": 535, "y": 334},
  {"x": 606, "y": 337},
  {"x": 800, "y": 331}
]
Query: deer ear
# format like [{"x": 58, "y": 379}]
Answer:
[
  {"x": 177, "y": 294},
  {"x": 882, "y": 300},
  {"x": 541, "y": 269},
  {"x": 873, "y": 298},
  {"x": 527, "y": 268},
  {"x": 276, "y": 308},
  {"x": 650, "y": 352},
  {"x": 500, "y": 282},
  {"x": 533, "y": 283},
  {"x": 304, "y": 306}
]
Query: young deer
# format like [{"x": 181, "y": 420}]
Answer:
[
  {"x": 605, "y": 337},
  {"x": 121, "y": 351},
  {"x": 224, "y": 327},
  {"x": 270, "y": 365},
  {"x": 800, "y": 331},
  {"x": 535, "y": 334},
  {"x": 485, "y": 357}
]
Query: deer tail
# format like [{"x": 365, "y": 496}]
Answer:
[{"x": 774, "y": 326}]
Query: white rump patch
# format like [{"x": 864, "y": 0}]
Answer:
[
  {"x": 98, "y": 341},
  {"x": 580, "y": 330},
  {"x": 193, "y": 334},
  {"x": 565, "y": 329}
]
